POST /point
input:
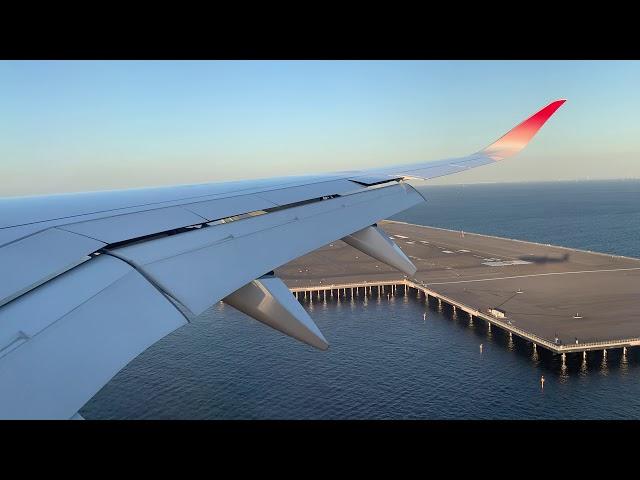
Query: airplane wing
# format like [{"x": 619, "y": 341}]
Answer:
[{"x": 90, "y": 280}]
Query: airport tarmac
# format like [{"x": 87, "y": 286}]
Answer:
[{"x": 547, "y": 292}]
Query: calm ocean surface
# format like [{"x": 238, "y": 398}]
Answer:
[{"x": 385, "y": 361}]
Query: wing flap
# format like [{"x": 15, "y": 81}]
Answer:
[
  {"x": 228, "y": 207},
  {"x": 286, "y": 196},
  {"x": 90, "y": 323},
  {"x": 371, "y": 180},
  {"x": 199, "y": 268},
  {"x": 32, "y": 261},
  {"x": 120, "y": 228}
]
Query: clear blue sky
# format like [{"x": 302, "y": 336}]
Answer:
[{"x": 77, "y": 126}]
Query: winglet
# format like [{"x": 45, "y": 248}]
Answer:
[{"x": 518, "y": 137}]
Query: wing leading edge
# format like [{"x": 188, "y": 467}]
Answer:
[{"x": 89, "y": 281}]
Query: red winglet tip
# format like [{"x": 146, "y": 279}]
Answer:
[{"x": 519, "y": 136}]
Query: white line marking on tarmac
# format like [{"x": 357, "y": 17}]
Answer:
[
  {"x": 506, "y": 263},
  {"x": 536, "y": 275}
]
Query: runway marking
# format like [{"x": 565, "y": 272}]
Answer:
[
  {"x": 535, "y": 275},
  {"x": 506, "y": 263}
]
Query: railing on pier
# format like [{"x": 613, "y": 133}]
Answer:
[{"x": 505, "y": 325}]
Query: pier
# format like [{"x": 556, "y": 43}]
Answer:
[{"x": 564, "y": 300}]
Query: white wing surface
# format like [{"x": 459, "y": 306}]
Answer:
[{"x": 90, "y": 280}]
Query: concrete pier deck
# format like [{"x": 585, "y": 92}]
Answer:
[{"x": 476, "y": 273}]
